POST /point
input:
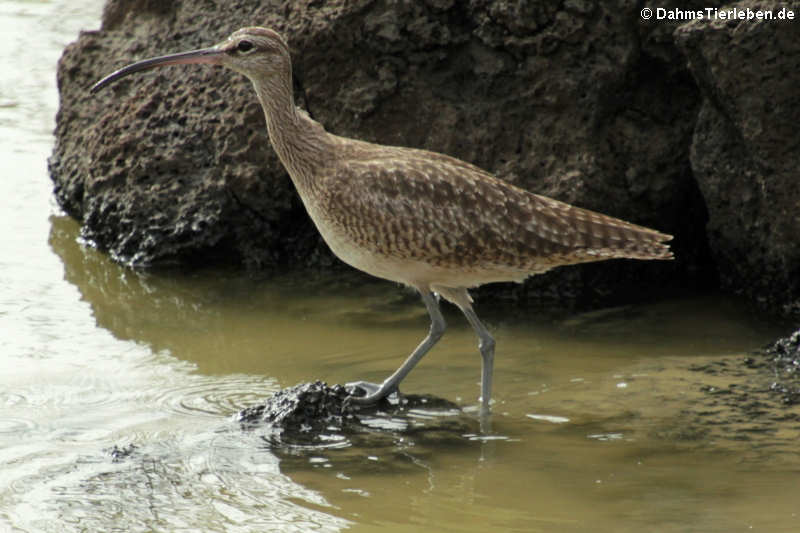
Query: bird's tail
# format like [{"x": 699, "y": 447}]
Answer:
[{"x": 594, "y": 236}]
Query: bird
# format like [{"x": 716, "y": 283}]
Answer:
[{"x": 426, "y": 220}]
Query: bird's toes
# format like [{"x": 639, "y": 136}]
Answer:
[
  {"x": 362, "y": 389},
  {"x": 364, "y": 392}
]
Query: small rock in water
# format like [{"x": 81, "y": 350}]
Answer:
[
  {"x": 786, "y": 351},
  {"x": 118, "y": 453},
  {"x": 315, "y": 412},
  {"x": 305, "y": 407}
]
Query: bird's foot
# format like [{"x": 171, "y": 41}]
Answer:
[{"x": 366, "y": 393}]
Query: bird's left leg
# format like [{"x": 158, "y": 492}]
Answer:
[{"x": 375, "y": 392}]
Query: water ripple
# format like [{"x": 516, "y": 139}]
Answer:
[
  {"x": 212, "y": 396},
  {"x": 213, "y": 481},
  {"x": 16, "y": 426},
  {"x": 8, "y": 399}
]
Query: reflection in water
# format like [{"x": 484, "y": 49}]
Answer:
[
  {"x": 133, "y": 305},
  {"x": 221, "y": 320}
]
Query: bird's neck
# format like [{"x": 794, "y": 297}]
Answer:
[{"x": 301, "y": 143}]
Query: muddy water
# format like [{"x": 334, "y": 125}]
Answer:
[{"x": 602, "y": 420}]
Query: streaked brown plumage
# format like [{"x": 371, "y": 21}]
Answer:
[{"x": 420, "y": 218}]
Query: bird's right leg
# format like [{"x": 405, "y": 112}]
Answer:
[{"x": 376, "y": 392}]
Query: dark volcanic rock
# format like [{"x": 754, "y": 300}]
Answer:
[
  {"x": 577, "y": 100},
  {"x": 784, "y": 359},
  {"x": 120, "y": 453},
  {"x": 786, "y": 352},
  {"x": 746, "y": 149},
  {"x": 315, "y": 414},
  {"x": 304, "y": 408}
]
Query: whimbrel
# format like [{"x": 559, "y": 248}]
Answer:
[{"x": 427, "y": 220}]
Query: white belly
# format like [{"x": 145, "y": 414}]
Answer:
[{"x": 411, "y": 272}]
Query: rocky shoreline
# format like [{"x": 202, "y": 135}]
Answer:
[{"x": 687, "y": 127}]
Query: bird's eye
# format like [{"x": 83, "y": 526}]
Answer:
[{"x": 244, "y": 46}]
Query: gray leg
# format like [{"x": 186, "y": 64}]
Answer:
[
  {"x": 460, "y": 297},
  {"x": 377, "y": 392},
  {"x": 486, "y": 347}
]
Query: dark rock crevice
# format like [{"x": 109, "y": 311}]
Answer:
[{"x": 745, "y": 153}]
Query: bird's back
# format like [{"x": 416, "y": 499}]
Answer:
[{"x": 401, "y": 213}]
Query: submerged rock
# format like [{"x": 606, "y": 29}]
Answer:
[
  {"x": 120, "y": 453},
  {"x": 760, "y": 392}
]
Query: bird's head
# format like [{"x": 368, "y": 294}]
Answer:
[{"x": 258, "y": 53}]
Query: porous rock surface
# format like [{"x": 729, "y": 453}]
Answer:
[
  {"x": 579, "y": 100},
  {"x": 314, "y": 413},
  {"x": 305, "y": 408},
  {"x": 745, "y": 151}
]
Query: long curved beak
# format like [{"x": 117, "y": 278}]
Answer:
[{"x": 212, "y": 56}]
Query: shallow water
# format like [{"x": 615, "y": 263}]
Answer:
[{"x": 600, "y": 421}]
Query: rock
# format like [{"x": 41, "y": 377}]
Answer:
[
  {"x": 745, "y": 151},
  {"x": 315, "y": 414},
  {"x": 579, "y": 101},
  {"x": 784, "y": 360},
  {"x": 786, "y": 352},
  {"x": 120, "y": 453},
  {"x": 304, "y": 408}
]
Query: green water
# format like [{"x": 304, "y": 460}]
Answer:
[{"x": 600, "y": 422}]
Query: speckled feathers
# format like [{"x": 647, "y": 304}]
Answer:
[{"x": 413, "y": 205}]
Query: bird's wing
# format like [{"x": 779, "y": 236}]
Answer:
[
  {"x": 431, "y": 207},
  {"x": 441, "y": 210}
]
